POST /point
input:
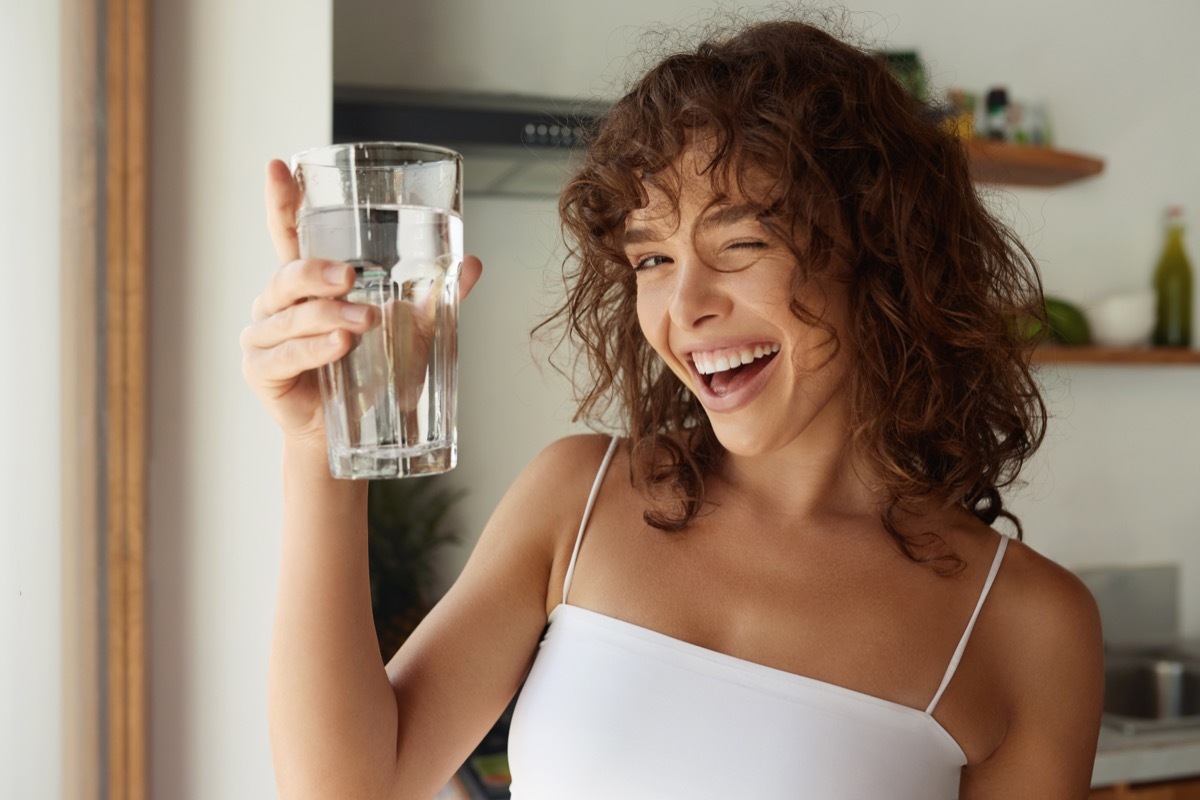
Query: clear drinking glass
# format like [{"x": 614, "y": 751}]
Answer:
[{"x": 394, "y": 212}]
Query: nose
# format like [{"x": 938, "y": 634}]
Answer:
[{"x": 698, "y": 294}]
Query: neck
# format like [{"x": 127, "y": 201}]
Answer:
[{"x": 813, "y": 477}]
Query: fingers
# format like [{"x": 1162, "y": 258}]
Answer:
[
  {"x": 283, "y": 201},
  {"x": 472, "y": 268},
  {"x": 312, "y": 318},
  {"x": 284, "y": 362},
  {"x": 302, "y": 337},
  {"x": 298, "y": 301},
  {"x": 297, "y": 281}
]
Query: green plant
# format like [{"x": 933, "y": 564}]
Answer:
[{"x": 406, "y": 525}]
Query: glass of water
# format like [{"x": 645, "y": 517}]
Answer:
[{"x": 393, "y": 211}]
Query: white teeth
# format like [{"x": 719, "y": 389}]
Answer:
[{"x": 707, "y": 363}]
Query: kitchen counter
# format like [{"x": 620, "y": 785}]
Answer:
[
  {"x": 1140, "y": 610},
  {"x": 1144, "y": 757}
]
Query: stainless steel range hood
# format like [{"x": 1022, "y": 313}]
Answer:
[{"x": 512, "y": 145}]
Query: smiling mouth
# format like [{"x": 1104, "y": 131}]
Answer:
[{"x": 725, "y": 371}]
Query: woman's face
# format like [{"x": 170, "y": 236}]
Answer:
[{"x": 713, "y": 292}]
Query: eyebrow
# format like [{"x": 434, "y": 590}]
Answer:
[{"x": 722, "y": 215}]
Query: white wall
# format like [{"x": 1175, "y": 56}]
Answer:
[
  {"x": 1117, "y": 479},
  {"x": 233, "y": 84},
  {"x": 30, "y": 405}
]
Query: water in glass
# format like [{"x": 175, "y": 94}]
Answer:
[{"x": 390, "y": 402}]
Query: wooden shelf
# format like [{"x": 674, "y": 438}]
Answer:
[
  {"x": 1021, "y": 165},
  {"x": 1051, "y": 354}
]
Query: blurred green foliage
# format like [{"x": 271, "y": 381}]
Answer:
[{"x": 406, "y": 525}]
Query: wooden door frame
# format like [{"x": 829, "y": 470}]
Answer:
[{"x": 104, "y": 333}]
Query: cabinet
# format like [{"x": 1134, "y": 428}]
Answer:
[
  {"x": 1178, "y": 356},
  {"x": 1170, "y": 790},
  {"x": 1015, "y": 165}
]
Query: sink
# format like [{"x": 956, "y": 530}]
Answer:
[{"x": 1156, "y": 690}]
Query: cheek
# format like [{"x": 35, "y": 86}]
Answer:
[
  {"x": 652, "y": 318},
  {"x": 656, "y": 328}
]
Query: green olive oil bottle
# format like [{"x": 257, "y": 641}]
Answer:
[{"x": 1173, "y": 285}]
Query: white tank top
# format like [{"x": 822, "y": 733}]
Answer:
[{"x": 615, "y": 711}]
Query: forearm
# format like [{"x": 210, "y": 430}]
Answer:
[{"x": 332, "y": 711}]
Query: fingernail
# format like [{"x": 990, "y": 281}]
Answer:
[
  {"x": 335, "y": 274},
  {"x": 355, "y": 313},
  {"x": 335, "y": 338}
]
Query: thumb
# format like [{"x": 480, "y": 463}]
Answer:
[
  {"x": 283, "y": 201},
  {"x": 472, "y": 268}
]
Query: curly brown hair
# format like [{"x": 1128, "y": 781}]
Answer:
[{"x": 943, "y": 403}]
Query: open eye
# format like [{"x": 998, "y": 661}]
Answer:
[{"x": 648, "y": 262}]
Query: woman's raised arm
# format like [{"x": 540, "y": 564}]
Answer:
[{"x": 341, "y": 724}]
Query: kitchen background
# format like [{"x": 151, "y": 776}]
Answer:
[
  {"x": 234, "y": 84},
  {"x": 1116, "y": 480}
]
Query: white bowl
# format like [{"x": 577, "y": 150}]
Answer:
[{"x": 1124, "y": 319}]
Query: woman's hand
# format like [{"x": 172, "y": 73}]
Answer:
[{"x": 299, "y": 324}]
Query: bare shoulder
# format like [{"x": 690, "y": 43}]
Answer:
[
  {"x": 1048, "y": 627},
  {"x": 546, "y": 504},
  {"x": 561, "y": 475},
  {"x": 1040, "y": 614},
  {"x": 1044, "y": 638},
  {"x": 1046, "y": 607},
  {"x": 536, "y": 516},
  {"x": 515, "y": 561},
  {"x": 548, "y": 497},
  {"x": 580, "y": 452}
]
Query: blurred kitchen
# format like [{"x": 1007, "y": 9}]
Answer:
[
  {"x": 1116, "y": 481},
  {"x": 1116, "y": 484}
]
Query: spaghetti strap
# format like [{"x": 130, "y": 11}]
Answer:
[
  {"x": 962, "y": 643},
  {"x": 587, "y": 512}
]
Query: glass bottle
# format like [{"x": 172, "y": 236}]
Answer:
[
  {"x": 996, "y": 122},
  {"x": 1173, "y": 287}
]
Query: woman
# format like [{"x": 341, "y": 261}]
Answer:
[{"x": 781, "y": 581}]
